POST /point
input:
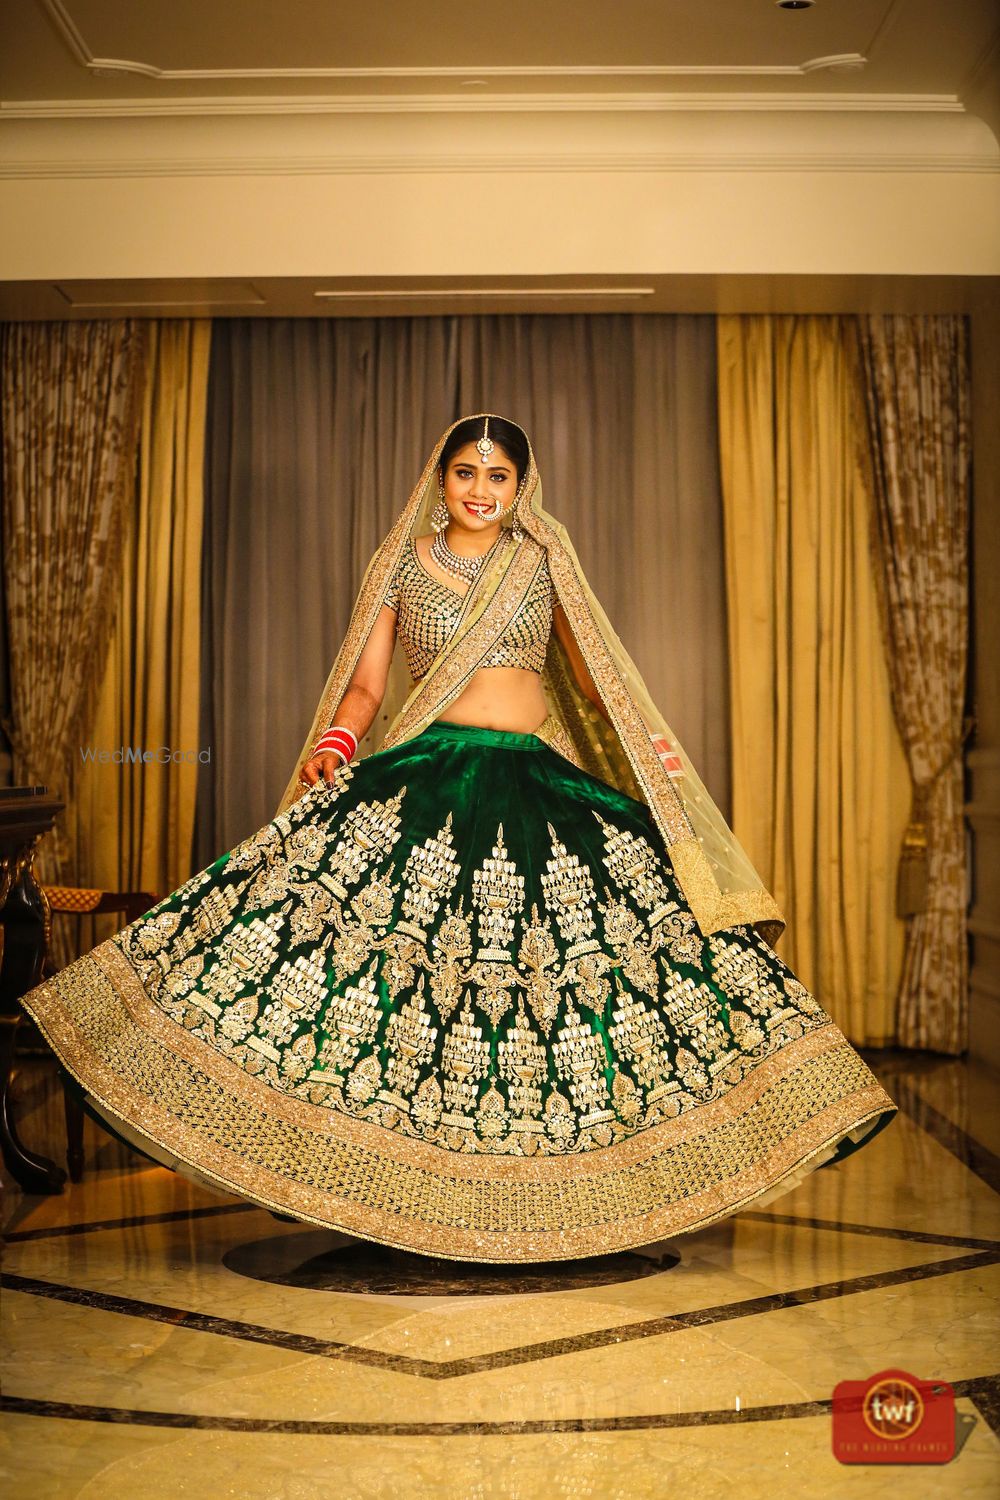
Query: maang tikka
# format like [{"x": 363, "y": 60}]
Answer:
[{"x": 485, "y": 443}]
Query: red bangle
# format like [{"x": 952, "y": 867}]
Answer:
[{"x": 336, "y": 741}]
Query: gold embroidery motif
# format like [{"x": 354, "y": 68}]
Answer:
[
  {"x": 465, "y": 1057},
  {"x": 569, "y": 890},
  {"x": 522, "y": 1063},
  {"x": 370, "y": 831},
  {"x": 410, "y": 1039},
  {"x": 498, "y": 896},
  {"x": 351, "y": 1021},
  {"x": 430, "y": 872},
  {"x": 580, "y": 1058},
  {"x": 452, "y": 944}
]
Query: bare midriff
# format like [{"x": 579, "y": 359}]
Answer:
[{"x": 508, "y": 698}]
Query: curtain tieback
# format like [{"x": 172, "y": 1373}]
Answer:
[{"x": 912, "y": 873}]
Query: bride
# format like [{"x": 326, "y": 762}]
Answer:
[{"x": 496, "y": 983}]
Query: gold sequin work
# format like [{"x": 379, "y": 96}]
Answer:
[
  {"x": 456, "y": 1002},
  {"x": 428, "y": 612}
]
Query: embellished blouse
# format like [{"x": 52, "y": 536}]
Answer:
[{"x": 428, "y": 611}]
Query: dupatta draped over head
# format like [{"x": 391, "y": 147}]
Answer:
[{"x": 718, "y": 880}]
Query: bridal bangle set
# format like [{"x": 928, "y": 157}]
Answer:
[{"x": 336, "y": 741}]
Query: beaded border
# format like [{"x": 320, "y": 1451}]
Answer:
[{"x": 244, "y": 1137}]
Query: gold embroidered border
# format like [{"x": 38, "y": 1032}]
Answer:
[
  {"x": 551, "y": 733},
  {"x": 354, "y": 1176},
  {"x": 712, "y": 909}
]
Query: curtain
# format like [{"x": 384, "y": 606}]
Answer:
[
  {"x": 135, "y": 823},
  {"x": 70, "y": 404},
  {"x": 622, "y": 416},
  {"x": 318, "y": 431},
  {"x": 917, "y": 399},
  {"x": 820, "y": 782}
]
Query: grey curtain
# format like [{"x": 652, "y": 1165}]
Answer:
[{"x": 318, "y": 431}]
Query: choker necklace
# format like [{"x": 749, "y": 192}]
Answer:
[{"x": 466, "y": 568}]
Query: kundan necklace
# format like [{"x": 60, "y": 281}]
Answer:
[{"x": 466, "y": 568}]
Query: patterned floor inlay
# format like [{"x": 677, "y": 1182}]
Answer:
[
  {"x": 984, "y": 1387},
  {"x": 526, "y": 1354},
  {"x": 163, "y": 1341}
]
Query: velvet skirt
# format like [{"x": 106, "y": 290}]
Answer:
[{"x": 456, "y": 1002}]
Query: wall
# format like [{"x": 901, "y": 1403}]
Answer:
[{"x": 216, "y": 192}]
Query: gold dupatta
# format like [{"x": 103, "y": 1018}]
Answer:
[{"x": 716, "y": 875}]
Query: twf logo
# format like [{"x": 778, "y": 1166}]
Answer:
[
  {"x": 893, "y": 1418},
  {"x": 893, "y": 1409}
]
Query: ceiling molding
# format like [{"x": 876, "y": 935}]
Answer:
[
  {"x": 837, "y": 62},
  {"x": 77, "y": 45},
  {"x": 527, "y": 103},
  {"x": 380, "y": 165}
]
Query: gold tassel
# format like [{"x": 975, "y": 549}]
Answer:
[
  {"x": 911, "y": 876},
  {"x": 912, "y": 873}
]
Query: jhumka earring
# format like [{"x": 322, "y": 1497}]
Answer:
[
  {"x": 516, "y": 529},
  {"x": 439, "y": 515}
]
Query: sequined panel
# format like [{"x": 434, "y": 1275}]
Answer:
[
  {"x": 538, "y": 986},
  {"x": 428, "y": 612},
  {"x": 465, "y": 947}
]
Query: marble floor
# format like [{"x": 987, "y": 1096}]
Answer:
[{"x": 160, "y": 1341}]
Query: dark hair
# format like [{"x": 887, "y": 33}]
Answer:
[{"x": 506, "y": 435}]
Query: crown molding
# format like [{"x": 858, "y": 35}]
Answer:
[
  {"x": 103, "y": 67},
  {"x": 522, "y": 103},
  {"x": 442, "y": 163}
]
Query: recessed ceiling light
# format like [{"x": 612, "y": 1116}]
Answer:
[
  {"x": 473, "y": 83},
  {"x": 794, "y": 4}
]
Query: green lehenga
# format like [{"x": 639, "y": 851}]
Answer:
[{"x": 456, "y": 1002}]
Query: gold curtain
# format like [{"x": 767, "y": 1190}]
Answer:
[
  {"x": 136, "y": 822},
  {"x": 820, "y": 783},
  {"x": 917, "y": 399},
  {"x": 71, "y": 404}
]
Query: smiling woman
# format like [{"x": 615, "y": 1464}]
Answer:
[{"x": 500, "y": 989}]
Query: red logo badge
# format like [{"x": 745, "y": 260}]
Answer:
[{"x": 893, "y": 1418}]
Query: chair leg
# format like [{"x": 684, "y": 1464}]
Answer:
[
  {"x": 33, "y": 1173},
  {"x": 73, "y": 1105}
]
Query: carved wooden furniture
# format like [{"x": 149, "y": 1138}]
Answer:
[{"x": 26, "y": 813}]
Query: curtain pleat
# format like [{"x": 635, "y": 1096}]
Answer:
[
  {"x": 136, "y": 822},
  {"x": 917, "y": 400},
  {"x": 318, "y": 432},
  {"x": 71, "y": 409},
  {"x": 820, "y": 782},
  {"x": 622, "y": 416}
]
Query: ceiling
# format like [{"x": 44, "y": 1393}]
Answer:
[
  {"x": 100, "y": 93},
  {"x": 86, "y": 54}
]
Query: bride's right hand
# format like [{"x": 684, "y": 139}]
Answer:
[{"x": 325, "y": 766}]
